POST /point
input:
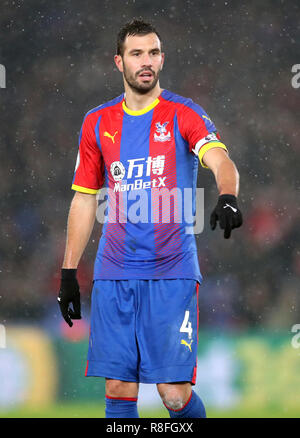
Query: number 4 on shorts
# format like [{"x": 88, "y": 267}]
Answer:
[{"x": 186, "y": 326}]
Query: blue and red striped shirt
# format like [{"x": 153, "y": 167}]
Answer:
[{"x": 144, "y": 161}]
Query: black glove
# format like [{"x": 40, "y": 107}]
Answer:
[
  {"x": 69, "y": 293},
  {"x": 227, "y": 213}
]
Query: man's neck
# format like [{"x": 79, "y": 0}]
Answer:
[{"x": 135, "y": 101}]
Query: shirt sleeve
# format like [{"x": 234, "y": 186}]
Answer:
[
  {"x": 198, "y": 130},
  {"x": 89, "y": 169}
]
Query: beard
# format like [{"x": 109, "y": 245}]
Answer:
[{"x": 141, "y": 88}]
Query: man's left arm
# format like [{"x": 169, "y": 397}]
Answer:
[
  {"x": 226, "y": 174},
  {"x": 224, "y": 170}
]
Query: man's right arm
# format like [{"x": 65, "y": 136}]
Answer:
[
  {"x": 88, "y": 179},
  {"x": 81, "y": 221}
]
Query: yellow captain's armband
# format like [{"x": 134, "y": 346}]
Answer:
[{"x": 206, "y": 147}]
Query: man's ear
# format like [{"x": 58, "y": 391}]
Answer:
[
  {"x": 119, "y": 62},
  {"x": 162, "y": 61}
]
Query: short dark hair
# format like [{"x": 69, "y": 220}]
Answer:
[{"x": 134, "y": 27}]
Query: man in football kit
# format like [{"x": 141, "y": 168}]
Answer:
[{"x": 144, "y": 144}]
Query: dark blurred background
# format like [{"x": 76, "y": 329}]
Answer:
[{"x": 234, "y": 58}]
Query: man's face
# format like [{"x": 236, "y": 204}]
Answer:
[{"x": 142, "y": 62}]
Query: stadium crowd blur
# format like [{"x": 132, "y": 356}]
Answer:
[{"x": 236, "y": 63}]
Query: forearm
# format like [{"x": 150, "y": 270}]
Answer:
[
  {"x": 81, "y": 220},
  {"x": 227, "y": 178}
]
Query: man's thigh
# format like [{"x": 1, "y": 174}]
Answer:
[
  {"x": 167, "y": 331},
  {"x": 113, "y": 351}
]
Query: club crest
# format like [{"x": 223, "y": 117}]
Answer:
[{"x": 161, "y": 133}]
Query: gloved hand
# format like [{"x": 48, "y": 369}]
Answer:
[
  {"x": 227, "y": 213},
  {"x": 69, "y": 293}
]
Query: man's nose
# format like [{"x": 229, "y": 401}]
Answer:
[{"x": 146, "y": 60}]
